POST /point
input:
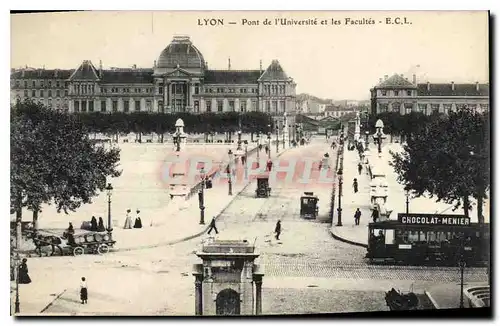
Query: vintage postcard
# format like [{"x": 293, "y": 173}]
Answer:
[{"x": 249, "y": 163}]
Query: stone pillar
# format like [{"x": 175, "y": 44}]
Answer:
[
  {"x": 191, "y": 93},
  {"x": 188, "y": 93},
  {"x": 166, "y": 95},
  {"x": 198, "y": 296},
  {"x": 258, "y": 295}
]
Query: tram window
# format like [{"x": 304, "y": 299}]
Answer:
[
  {"x": 389, "y": 236},
  {"x": 412, "y": 236}
]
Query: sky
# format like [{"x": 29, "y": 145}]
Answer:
[{"x": 329, "y": 61}]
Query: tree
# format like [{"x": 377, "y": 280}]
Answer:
[
  {"x": 54, "y": 161},
  {"x": 448, "y": 158}
]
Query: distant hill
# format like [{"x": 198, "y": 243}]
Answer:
[{"x": 304, "y": 97}]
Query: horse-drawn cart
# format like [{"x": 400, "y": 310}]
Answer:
[{"x": 68, "y": 244}]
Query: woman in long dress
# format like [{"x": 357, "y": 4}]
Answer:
[
  {"x": 138, "y": 222},
  {"x": 83, "y": 291},
  {"x": 24, "y": 277},
  {"x": 128, "y": 221}
]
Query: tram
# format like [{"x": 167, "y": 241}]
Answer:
[{"x": 421, "y": 239}]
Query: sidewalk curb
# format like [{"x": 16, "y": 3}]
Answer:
[
  {"x": 52, "y": 302},
  {"x": 190, "y": 237},
  {"x": 354, "y": 243},
  {"x": 431, "y": 299}
]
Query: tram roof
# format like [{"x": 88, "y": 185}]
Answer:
[{"x": 391, "y": 224}]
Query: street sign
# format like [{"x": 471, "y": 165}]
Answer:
[{"x": 433, "y": 219}]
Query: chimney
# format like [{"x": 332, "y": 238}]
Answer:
[
  {"x": 380, "y": 80},
  {"x": 55, "y": 73},
  {"x": 386, "y": 76},
  {"x": 452, "y": 86},
  {"x": 260, "y": 66},
  {"x": 100, "y": 68},
  {"x": 22, "y": 73},
  {"x": 154, "y": 64},
  {"x": 428, "y": 86},
  {"x": 414, "y": 79},
  {"x": 402, "y": 75},
  {"x": 134, "y": 66},
  {"x": 229, "y": 63},
  {"x": 206, "y": 64},
  {"x": 477, "y": 86}
]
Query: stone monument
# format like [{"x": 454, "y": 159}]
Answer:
[{"x": 226, "y": 279}]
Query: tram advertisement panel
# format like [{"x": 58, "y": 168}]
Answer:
[{"x": 433, "y": 219}]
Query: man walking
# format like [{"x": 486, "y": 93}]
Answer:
[
  {"x": 360, "y": 168},
  {"x": 213, "y": 227},
  {"x": 277, "y": 230},
  {"x": 355, "y": 185},
  {"x": 357, "y": 216}
]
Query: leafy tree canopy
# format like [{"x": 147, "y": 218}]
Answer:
[
  {"x": 54, "y": 161},
  {"x": 448, "y": 158}
]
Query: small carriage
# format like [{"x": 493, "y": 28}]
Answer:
[
  {"x": 309, "y": 206},
  {"x": 263, "y": 190},
  {"x": 69, "y": 244}
]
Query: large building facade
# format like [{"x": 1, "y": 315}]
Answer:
[
  {"x": 398, "y": 94},
  {"x": 179, "y": 81}
]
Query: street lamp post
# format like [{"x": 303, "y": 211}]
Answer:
[
  {"x": 17, "y": 304},
  {"x": 258, "y": 148},
  {"x": 407, "y": 194},
  {"x": 246, "y": 159},
  {"x": 239, "y": 140},
  {"x": 109, "y": 191},
  {"x": 269, "y": 143},
  {"x": 230, "y": 184},
  {"x": 366, "y": 141},
  {"x": 201, "y": 196},
  {"x": 339, "y": 209},
  {"x": 462, "y": 267},
  {"x": 277, "y": 137}
]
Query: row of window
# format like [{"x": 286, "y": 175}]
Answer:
[
  {"x": 409, "y": 107},
  {"x": 41, "y": 83},
  {"x": 42, "y": 93},
  {"x": 85, "y": 106},
  {"x": 437, "y": 237},
  {"x": 230, "y": 90},
  {"x": 147, "y": 90},
  {"x": 384, "y": 92},
  {"x": 274, "y": 89}
]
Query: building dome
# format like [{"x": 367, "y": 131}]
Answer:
[{"x": 181, "y": 52}]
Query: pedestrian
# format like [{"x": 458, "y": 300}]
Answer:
[
  {"x": 70, "y": 229},
  {"x": 128, "y": 220},
  {"x": 269, "y": 165},
  {"x": 375, "y": 214},
  {"x": 213, "y": 226},
  {"x": 357, "y": 216},
  {"x": 100, "y": 226},
  {"x": 83, "y": 291},
  {"x": 360, "y": 168},
  {"x": 355, "y": 185},
  {"x": 277, "y": 230},
  {"x": 23, "y": 275},
  {"x": 138, "y": 222},
  {"x": 93, "y": 224}
]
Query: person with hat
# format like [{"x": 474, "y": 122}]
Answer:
[
  {"x": 128, "y": 220},
  {"x": 138, "y": 222},
  {"x": 213, "y": 226},
  {"x": 23, "y": 275},
  {"x": 355, "y": 185}
]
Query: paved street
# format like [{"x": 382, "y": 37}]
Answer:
[{"x": 305, "y": 263}]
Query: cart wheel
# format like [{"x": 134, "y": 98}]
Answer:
[
  {"x": 78, "y": 251},
  {"x": 103, "y": 249}
]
